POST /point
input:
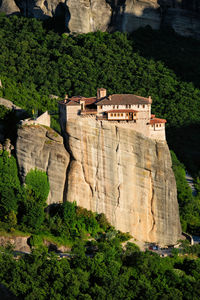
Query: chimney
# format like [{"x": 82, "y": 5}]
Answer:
[
  {"x": 66, "y": 98},
  {"x": 109, "y": 97},
  {"x": 150, "y": 100},
  {"x": 101, "y": 93}
]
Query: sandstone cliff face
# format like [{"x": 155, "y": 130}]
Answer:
[
  {"x": 125, "y": 15},
  {"x": 139, "y": 14},
  {"x": 42, "y": 8},
  {"x": 9, "y": 7},
  {"x": 110, "y": 169},
  {"x": 88, "y": 15},
  {"x": 41, "y": 148},
  {"x": 128, "y": 177}
]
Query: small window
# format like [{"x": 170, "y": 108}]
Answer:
[
  {"x": 138, "y": 106},
  {"x": 134, "y": 115},
  {"x": 126, "y": 106},
  {"x": 156, "y": 125},
  {"x": 101, "y": 106},
  {"x": 143, "y": 106},
  {"x": 129, "y": 106},
  {"x": 114, "y": 115},
  {"x": 113, "y": 106},
  {"x": 160, "y": 125},
  {"x": 118, "y": 115},
  {"x": 117, "y": 106},
  {"x": 151, "y": 125},
  {"x": 121, "y": 115},
  {"x": 111, "y": 115},
  {"x": 127, "y": 114}
]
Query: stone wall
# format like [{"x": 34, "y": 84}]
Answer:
[
  {"x": 157, "y": 133},
  {"x": 43, "y": 119},
  {"x": 72, "y": 111}
]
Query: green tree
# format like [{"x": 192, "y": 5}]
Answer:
[
  {"x": 37, "y": 183},
  {"x": 34, "y": 201},
  {"x": 9, "y": 189}
]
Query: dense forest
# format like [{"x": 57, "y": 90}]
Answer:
[
  {"x": 36, "y": 62},
  {"x": 110, "y": 272}
]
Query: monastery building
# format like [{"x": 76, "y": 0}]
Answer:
[{"x": 122, "y": 109}]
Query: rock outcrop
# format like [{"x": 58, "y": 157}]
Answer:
[
  {"x": 42, "y": 148},
  {"x": 9, "y": 7},
  {"x": 83, "y": 16},
  {"x": 42, "y": 8},
  {"x": 109, "y": 169},
  {"x": 119, "y": 172},
  {"x": 88, "y": 15},
  {"x": 20, "y": 243},
  {"x": 139, "y": 14}
]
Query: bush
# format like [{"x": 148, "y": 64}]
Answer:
[
  {"x": 34, "y": 200},
  {"x": 103, "y": 222},
  {"x": 38, "y": 185}
]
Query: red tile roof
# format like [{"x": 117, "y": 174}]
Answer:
[
  {"x": 77, "y": 100},
  {"x": 156, "y": 121},
  {"x": 89, "y": 101},
  {"x": 118, "y": 99},
  {"x": 121, "y": 111},
  {"x": 72, "y": 103}
]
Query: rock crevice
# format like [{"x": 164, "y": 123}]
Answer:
[{"x": 125, "y": 175}]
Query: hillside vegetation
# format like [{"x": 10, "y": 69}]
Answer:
[
  {"x": 100, "y": 270},
  {"x": 36, "y": 62}
]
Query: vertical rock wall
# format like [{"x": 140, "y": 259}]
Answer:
[
  {"x": 125, "y": 175},
  {"x": 42, "y": 148},
  {"x": 82, "y": 16},
  {"x": 109, "y": 169},
  {"x": 88, "y": 15}
]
